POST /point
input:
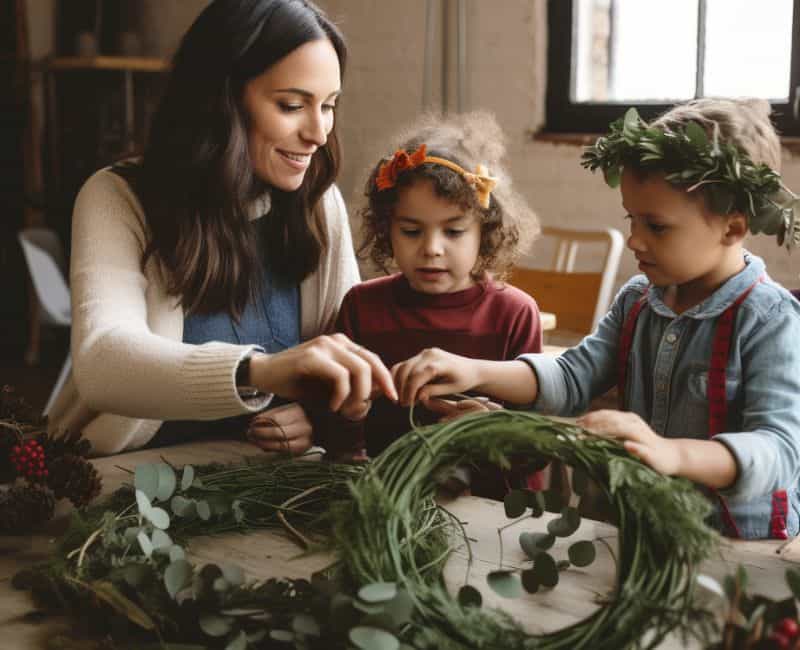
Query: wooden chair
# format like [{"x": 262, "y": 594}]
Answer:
[{"x": 579, "y": 299}]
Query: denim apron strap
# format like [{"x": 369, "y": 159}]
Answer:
[{"x": 717, "y": 399}]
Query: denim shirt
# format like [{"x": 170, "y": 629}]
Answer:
[{"x": 668, "y": 375}]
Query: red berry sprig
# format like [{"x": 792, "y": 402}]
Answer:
[
  {"x": 29, "y": 461},
  {"x": 784, "y": 634}
]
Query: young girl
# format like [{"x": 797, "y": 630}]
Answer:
[
  {"x": 703, "y": 345},
  {"x": 443, "y": 211}
]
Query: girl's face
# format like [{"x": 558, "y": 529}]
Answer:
[
  {"x": 290, "y": 109},
  {"x": 434, "y": 242},
  {"x": 677, "y": 240}
]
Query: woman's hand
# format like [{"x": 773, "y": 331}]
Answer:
[
  {"x": 452, "y": 410},
  {"x": 662, "y": 454},
  {"x": 331, "y": 366},
  {"x": 282, "y": 429},
  {"x": 433, "y": 372}
]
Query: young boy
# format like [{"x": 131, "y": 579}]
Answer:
[{"x": 703, "y": 346}]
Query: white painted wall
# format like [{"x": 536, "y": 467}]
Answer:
[{"x": 506, "y": 54}]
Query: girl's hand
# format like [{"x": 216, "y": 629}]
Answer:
[
  {"x": 450, "y": 410},
  {"x": 662, "y": 454},
  {"x": 433, "y": 372},
  {"x": 282, "y": 429},
  {"x": 334, "y": 366}
]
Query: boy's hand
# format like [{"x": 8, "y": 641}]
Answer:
[
  {"x": 433, "y": 372},
  {"x": 662, "y": 454}
]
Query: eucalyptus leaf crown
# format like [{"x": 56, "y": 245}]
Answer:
[{"x": 691, "y": 160}]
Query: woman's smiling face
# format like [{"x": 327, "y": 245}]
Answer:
[{"x": 290, "y": 111}]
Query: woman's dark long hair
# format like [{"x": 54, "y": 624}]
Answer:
[{"x": 196, "y": 179}]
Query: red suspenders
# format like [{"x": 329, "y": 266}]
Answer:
[{"x": 717, "y": 400}]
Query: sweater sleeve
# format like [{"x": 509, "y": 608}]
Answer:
[
  {"x": 121, "y": 365},
  {"x": 323, "y": 291}
]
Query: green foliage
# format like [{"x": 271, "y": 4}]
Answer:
[
  {"x": 689, "y": 159},
  {"x": 392, "y": 541}
]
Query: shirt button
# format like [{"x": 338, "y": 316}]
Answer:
[{"x": 671, "y": 338}]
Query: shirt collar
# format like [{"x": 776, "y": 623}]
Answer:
[{"x": 718, "y": 301}]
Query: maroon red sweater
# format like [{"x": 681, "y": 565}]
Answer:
[{"x": 487, "y": 321}]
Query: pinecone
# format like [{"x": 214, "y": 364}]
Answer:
[
  {"x": 56, "y": 446},
  {"x": 74, "y": 478},
  {"x": 23, "y": 507},
  {"x": 17, "y": 409},
  {"x": 9, "y": 438}
]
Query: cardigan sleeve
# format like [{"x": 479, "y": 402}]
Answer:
[
  {"x": 322, "y": 292},
  {"x": 126, "y": 336}
]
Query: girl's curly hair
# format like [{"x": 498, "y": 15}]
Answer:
[{"x": 508, "y": 225}]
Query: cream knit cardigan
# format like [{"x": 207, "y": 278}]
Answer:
[{"x": 131, "y": 369}]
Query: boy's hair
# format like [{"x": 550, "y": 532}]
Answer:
[
  {"x": 508, "y": 225},
  {"x": 743, "y": 122}
]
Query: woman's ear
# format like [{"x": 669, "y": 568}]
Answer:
[{"x": 736, "y": 229}]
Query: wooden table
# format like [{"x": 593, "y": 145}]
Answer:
[{"x": 272, "y": 554}]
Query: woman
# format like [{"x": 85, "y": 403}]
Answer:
[{"x": 197, "y": 270}]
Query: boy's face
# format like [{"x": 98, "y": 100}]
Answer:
[
  {"x": 434, "y": 242},
  {"x": 676, "y": 239}
]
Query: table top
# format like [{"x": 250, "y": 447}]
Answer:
[{"x": 267, "y": 554}]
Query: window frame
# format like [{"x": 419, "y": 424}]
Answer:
[{"x": 565, "y": 116}]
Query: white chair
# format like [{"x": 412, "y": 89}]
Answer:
[
  {"x": 45, "y": 258},
  {"x": 579, "y": 299}
]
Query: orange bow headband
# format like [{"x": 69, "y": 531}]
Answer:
[{"x": 403, "y": 161}]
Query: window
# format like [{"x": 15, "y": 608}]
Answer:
[{"x": 607, "y": 55}]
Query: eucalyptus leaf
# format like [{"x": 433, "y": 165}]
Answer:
[
  {"x": 144, "y": 543},
  {"x": 145, "y": 478},
  {"x": 187, "y": 477},
  {"x": 515, "y": 503},
  {"x": 534, "y": 543},
  {"x": 566, "y": 524},
  {"x": 130, "y": 534},
  {"x": 166, "y": 482},
  {"x": 505, "y": 583},
  {"x": 281, "y": 635},
  {"x": 545, "y": 570},
  {"x": 203, "y": 510},
  {"x": 183, "y": 507},
  {"x": 233, "y": 573},
  {"x": 582, "y": 553},
  {"x": 378, "y": 592},
  {"x": 216, "y": 626},
  {"x": 373, "y": 638},
  {"x": 177, "y": 576},
  {"x": 158, "y": 517},
  {"x": 176, "y": 553},
  {"x": 306, "y": 625},
  {"x": 143, "y": 503},
  {"x": 160, "y": 540},
  {"x": 530, "y": 581},
  {"x": 220, "y": 585},
  {"x": 372, "y": 609},
  {"x": 468, "y": 596},
  {"x": 239, "y": 642},
  {"x": 696, "y": 135},
  {"x": 710, "y": 585}
]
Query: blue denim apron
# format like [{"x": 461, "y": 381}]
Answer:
[{"x": 271, "y": 321}]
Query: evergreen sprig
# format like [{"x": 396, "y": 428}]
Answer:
[
  {"x": 127, "y": 556},
  {"x": 691, "y": 160}
]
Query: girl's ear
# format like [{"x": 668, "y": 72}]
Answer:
[{"x": 736, "y": 229}]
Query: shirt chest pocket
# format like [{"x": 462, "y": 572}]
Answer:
[{"x": 698, "y": 383}]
